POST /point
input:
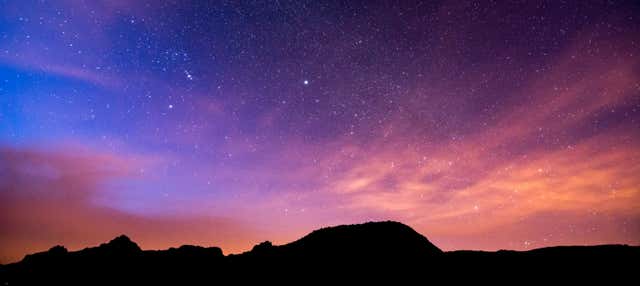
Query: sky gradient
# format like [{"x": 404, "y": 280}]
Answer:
[{"x": 481, "y": 125}]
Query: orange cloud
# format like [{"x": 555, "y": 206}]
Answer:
[{"x": 47, "y": 198}]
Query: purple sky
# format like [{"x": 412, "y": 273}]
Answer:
[{"x": 481, "y": 125}]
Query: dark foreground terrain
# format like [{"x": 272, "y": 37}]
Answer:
[{"x": 388, "y": 252}]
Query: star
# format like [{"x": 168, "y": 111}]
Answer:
[
  {"x": 170, "y": 106},
  {"x": 306, "y": 82},
  {"x": 189, "y": 76}
]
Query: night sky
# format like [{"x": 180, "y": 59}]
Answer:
[{"x": 482, "y": 125}]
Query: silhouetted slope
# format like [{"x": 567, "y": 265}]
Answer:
[
  {"x": 372, "y": 252},
  {"x": 114, "y": 262},
  {"x": 117, "y": 257},
  {"x": 599, "y": 264},
  {"x": 369, "y": 239},
  {"x": 359, "y": 241},
  {"x": 378, "y": 247}
]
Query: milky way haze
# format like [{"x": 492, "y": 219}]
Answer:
[{"x": 482, "y": 125}]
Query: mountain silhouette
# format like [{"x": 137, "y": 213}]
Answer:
[
  {"x": 366, "y": 241},
  {"x": 380, "y": 239},
  {"x": 370, "y": 252}
]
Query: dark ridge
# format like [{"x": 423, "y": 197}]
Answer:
[
  {"x": 56, "y": 252},
  {"x": 121, "y": 244},
  {"x": 341, "y": 248},
  {"x": 372, "y": 252},
  {"x": 264, "y": 246},
  {"x": 369, "y": 239}
]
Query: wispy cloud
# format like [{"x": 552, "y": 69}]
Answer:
[{"x": 50, "y": 196}]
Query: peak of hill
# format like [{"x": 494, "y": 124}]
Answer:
[
  {"x": 121, "y": 244},
  {"x": 387, "y": 238}
]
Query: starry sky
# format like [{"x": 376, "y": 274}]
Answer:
[{"x": 483, "y": 125}]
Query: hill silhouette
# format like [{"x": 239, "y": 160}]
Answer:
[{"x": 372, "y": 252}]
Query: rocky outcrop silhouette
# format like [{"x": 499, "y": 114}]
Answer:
[
  {"x": 264, "y": 246},
  {"x": 370, "y": 252}
]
